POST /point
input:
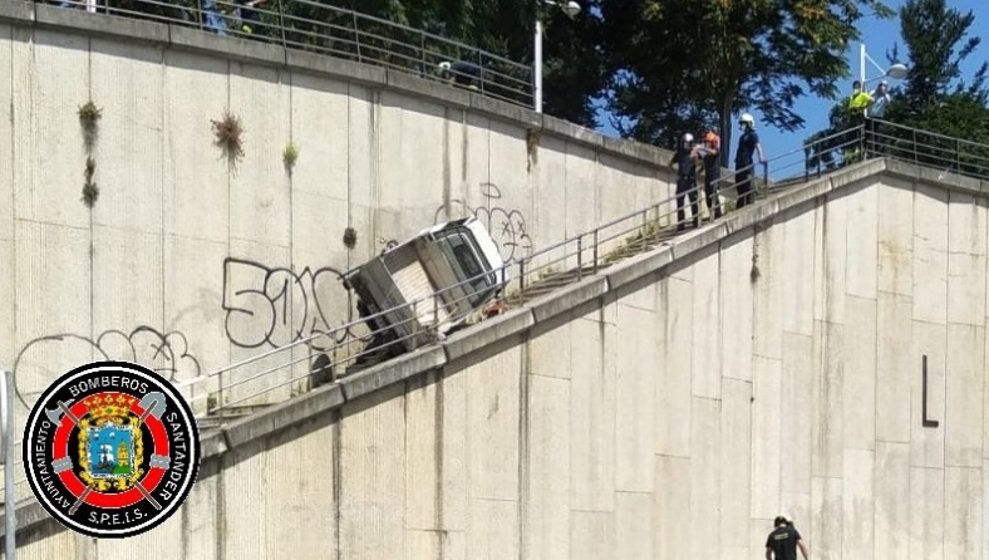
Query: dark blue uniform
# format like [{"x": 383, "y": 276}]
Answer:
[{"x": 743, "y": 166}]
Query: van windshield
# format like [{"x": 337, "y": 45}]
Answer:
[{"x": 469, "y": 263}]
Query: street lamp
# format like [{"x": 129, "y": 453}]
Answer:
[
  {"x": 570, "y": 9},
  {"x": 897, "y": 71}
]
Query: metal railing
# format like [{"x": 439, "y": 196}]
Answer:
[
  {"x": 276, "y": 374},
  {"x": 312, "y": 26}
]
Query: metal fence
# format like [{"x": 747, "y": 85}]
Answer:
[
  {"x": 326, "y": 356},
  {"x": 276, "y": 375},
  {"x": 312, "y": 26}
]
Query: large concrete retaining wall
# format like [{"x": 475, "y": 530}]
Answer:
[
  {"x": 668, "y": 408},
  {"x": 188, "y": 264}
]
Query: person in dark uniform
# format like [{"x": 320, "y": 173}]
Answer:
[
  {"x": 461, "y": 73},
  {"x": 784, "y": 540},
  {"x": 686, "y": 179},
  {"x": 748, "y": 144}
]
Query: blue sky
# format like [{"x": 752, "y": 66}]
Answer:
[{"x": 879, "y": 36}]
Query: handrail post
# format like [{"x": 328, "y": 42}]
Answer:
[
  {"x": 281, "y": 23},
  {"x": 916, "y": 155},
  {"x": 415, "y": 325},
  {"x": 958, "y": 156},
  {"x": 580, "y": 262},
  {"x": 199, "y": 13},
  {"x": 595, "y": 250},
  {"x": 357, "y": 36},
  {"x": 422, "y": 54},
  {"x": 522, "y": 281}
]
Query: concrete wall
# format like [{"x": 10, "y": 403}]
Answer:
[
  {"x": 668, "y": 408},
  {"x": 187, "y": 263}
]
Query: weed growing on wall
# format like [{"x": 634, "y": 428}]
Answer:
[
  {"x": 532, "y": 147},
  {"x": 229, "y": 134},
  {"x": 349, "y": 237},
  {"x": 90, "y": 192},
  {"x": 89, "y": 119},
  {"x": 289, "y": 156}
]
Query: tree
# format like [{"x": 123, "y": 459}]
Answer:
[
  {"x": 935, "y": 37},
  {"x": 936, "y": 97},
  {"x": 716, "y": 57},
  {"x": 573, "y": 72}
]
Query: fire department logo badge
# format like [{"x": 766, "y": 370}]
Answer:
[{"x": 111, "y": 449}]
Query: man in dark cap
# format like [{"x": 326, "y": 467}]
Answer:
[{"x": 782, "y": 543}]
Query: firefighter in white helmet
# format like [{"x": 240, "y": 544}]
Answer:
[
  {"x": 684, "y": 158},
  {"x": 748, "y": 145}
]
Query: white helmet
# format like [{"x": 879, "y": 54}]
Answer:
[
  {"x": 688, "y": 138},
  {"x": 747, "y": 119}
]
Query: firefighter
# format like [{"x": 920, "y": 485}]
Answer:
[
  {"x": 748, "y": 145},
  {"x": 686, "y": 179}
]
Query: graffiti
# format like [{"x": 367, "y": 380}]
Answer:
[
  {"x": 507, "y": 226},
  {"x": 48, "y": 356},
  {"x": 276, "y": 306}
]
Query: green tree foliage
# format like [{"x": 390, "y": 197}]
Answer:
[
  {"x": 573, "y": 73},
  {"x": 935, "y": 96},
  {"x": 678, "y": 63}
]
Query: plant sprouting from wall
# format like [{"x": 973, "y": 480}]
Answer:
[
  {"x": 349, "y": 237},
  {"x": 289, "y": 156},
  {"x": 229, "y": 133},
  {"x": 90, "y": 192},
  {"x": 89, "y": 119},
  {"x": 532, "y": 147}
]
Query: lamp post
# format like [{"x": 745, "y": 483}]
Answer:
[
  {"x": 571, "y": 9},
  {"x": 897, "y": 71}
]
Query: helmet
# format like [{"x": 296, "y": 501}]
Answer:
[
  {"x": 747, "y": 119},
  {"x": 688, "y": 138}
]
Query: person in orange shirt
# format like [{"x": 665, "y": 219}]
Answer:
[{"x": 708, "y": 152}]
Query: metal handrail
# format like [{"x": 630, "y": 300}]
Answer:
[
  {"x": 571, "y": 258},
  {"x": 312, "y": 26}
]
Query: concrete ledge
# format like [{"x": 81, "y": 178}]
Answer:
[
  {"x": 573, "y": 132},
  {"x": 393, "y": 371},
  {"x": 699, "y": 240},
  {"x": 487, "y": 332},
  {"x": 280, "y": 416},
  {"x": 212, "y": 444},
  {"x": 17, "y": 11},
  {"x": 565, "y": 299},
  {"x": 434, "y": 91},
  {"x": 336, "y": 67},
  {"x": 638, "y": 151},
  {"x": 857, "y": 172},
  {"x": 637, "y": 267},
  {"x": 506, "y": 111},
  {"x": 801, "y": 195},
  {"x": 235, "y": 48},
  {"x": 29, "y": 513},
  {"x": 119, "y": 26}
]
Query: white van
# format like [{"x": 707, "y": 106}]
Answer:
[{"x": 428, "y": 285}]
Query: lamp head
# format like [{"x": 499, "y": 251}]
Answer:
[
  {"x": 897, "y": 71},
  {"x": 571, "y": 9}
]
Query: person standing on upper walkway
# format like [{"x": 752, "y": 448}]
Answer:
[
  {"x": 686, "y": 180},
  {"x": 748, "y": 145}
]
